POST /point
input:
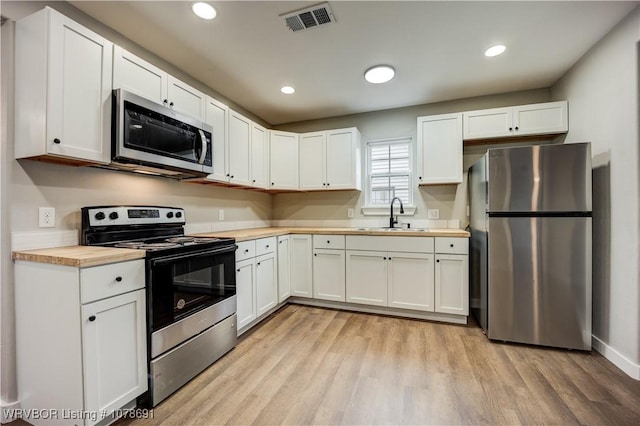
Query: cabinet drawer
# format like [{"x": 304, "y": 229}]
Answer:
[
  {"x": 265, "y": 245},
  {"x": 104, "y": 281},
  {"x": 246, "y": 250},
  {"x": 328, "y": 241},
  {"x": 452, "y": 245}
]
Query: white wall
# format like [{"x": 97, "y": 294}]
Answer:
[{"x": 603, "y": 94}]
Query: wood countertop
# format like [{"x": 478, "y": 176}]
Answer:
[
  {"x": 79, "y": 256},
  {"x": 86, "y": 256},
  {"x": 255, "y": 233}
]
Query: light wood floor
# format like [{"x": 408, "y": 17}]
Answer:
[{"x": 308, "y": 365}]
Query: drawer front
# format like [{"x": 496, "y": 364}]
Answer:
[
  {"x": 328, "y": 241},
  {"x": 452, "y": 245},
  {"x": 266, "y": 245},
  {"x": 104, "y": 281},
  {"x": 384, "y": 243},
  {"x": 246, "y": 250}
]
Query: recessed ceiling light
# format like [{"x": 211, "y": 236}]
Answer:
[
  {"x": 496, "y": 50},
  {"x": 288, "y": 90},
  {"x": 379, "y": 74},
  {"x": 204, "y": 10}
]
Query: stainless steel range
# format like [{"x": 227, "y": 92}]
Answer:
[{"x": 190, "y": 286}]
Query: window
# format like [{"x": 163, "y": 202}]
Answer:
[{"x": 389, "y": 172}]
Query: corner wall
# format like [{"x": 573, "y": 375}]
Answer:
[{"x": 603, "y": 94}]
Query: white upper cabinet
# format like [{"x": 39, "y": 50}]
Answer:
[
  {"x": 440, "y": 149},
  {"x": 259, "y": 156},
  {"x": 216, "y": 115},
  {"x": 239, "y": 148},
  {"x": 524, "y": 120},
  {"x": 62, "y": 90},
  {"x": 330, "y": 160},
  {"x": 283, "y": 160},
  {"x": 139, "y": 76}
]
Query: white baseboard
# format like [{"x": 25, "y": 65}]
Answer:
[
  {"x": 5, "y": 407},
  {"x": 616, "y": 358}
]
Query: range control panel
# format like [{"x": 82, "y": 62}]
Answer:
[{"x": 127, "y": 215}]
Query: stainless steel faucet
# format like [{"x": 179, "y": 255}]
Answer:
[{"x": 393, "y": 221}]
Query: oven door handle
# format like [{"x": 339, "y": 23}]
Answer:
[{"x": 172, "y": 259}]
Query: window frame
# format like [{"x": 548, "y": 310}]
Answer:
[{"x": 379, "y": 209}]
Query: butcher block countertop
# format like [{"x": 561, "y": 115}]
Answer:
[
  {"x": 254, "y": 233},
  {"x": 79, "y": 256}
]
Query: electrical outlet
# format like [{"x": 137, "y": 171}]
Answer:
[
  {"x": 47, "y": 217},
  {"x": 221, "y": 214},
  {"x": 433, "y": 213},
  {"x": 349, "y": 213}
]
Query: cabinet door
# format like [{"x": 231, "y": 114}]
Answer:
[
  {"x": 313, "y": 161},
  {"x": 245, "y": 292},
  {"x": 79, "y": 87},
  {"x": 186, "y": 99},
  {"x": 366, "y": 273},
  {"x": 343, "y": 159},
  {"x": 216, "y": 115},
  {"x": 284, "y": 272},
  {"x": 487, "y": 123},
  {"x": 440, "y": 149},
  {"x": 452, "y": 284},
  {"x": 301, "y": 266},
  {"x": 540, "y": 119},
  {"x": 266, "y": 283},
  {"x": 239, "y": 145},
  {"x": 329, "y": 274},
  {"x": 411, "y": 277},
  {"x": 259, "y": 156},
  {"x": 283, "y": 160},
  {"x": 138, "y": 76},
  {"x": 115, "y": 351}
]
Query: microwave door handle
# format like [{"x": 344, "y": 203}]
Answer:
[{"x": 203, "y": 140}]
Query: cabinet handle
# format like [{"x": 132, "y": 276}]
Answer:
[
  {"x": 438, "y": 260},
  {"x": 237, "y": 270},
  {"x": 171, "y": 104},
  {"x": 420, "y": 177},
  {"x": 389, "y": 258},
  {"x": 510, "y": 128},
  {"x": 315, "y": 254},
  {"x": 516, "y": 127},
  {"x": 56, "y": 140},
  {"x": 258, "y": 263},
  {"x": 228, "y": 175},
  {"x": 384, "y": 258},
  {"x": 328, "y": 241},
  {"x": 165, "y": 101},
  {"x": 92, "y": 318},
  {"x": 272, "y": 183},
  {"x": 232, "y": 176},
  {"x": 246, "y": 250},
  {"x": 267, "y": 246},
  {"x": 118, "y": 279},
  {"x": 450, "y": 245},
  {"x": 328, "y": 184},
  {"x": 254, "y": 181}
]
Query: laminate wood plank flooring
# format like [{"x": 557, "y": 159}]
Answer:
[{"x": 307, "y": 365}]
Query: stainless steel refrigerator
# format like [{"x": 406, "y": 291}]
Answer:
[{"x": 530, "y": 220}]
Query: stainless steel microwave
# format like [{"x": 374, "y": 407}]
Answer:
[{"x": 150, "y": 138}]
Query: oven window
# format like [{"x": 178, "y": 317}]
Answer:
[{"x": 184, "y": 286}]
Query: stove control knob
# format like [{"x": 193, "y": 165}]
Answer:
[
  {"x": 178, "y": 214},
  {"x": 113, "y": 215},
  {"x": 100, "y": 215},
  {"x": 170, "y": 215}
]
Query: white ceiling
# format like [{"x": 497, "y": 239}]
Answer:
[{"x": 247, "y": 53}]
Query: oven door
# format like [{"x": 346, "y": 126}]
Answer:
[{"x": 181, "y": 285}]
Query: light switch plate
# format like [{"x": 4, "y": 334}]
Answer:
[
  {"x": 221, "y": 214},
  {"x": 349, "y": 213},
  {"x": 433, "y": 213}
]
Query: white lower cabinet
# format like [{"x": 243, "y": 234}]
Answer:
[
  {"x": 266, "y": 283},
  {"x": 329, "y": 274},
  {"x": 301, "y": 265},
  {"x": 284, "y": 269},
  {"x": 81, "y": 343},
  {"x": 411, "y": 281},
  {"x": 256, "y": 280},
  {"x": 452, "y": 276},
  {"x": 367, "y": 277},
  {"x": 245, "y": 292},
  {"x": 417, "y": 280}
]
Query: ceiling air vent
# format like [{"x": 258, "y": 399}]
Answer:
[{"x": 309, "y": 17}]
